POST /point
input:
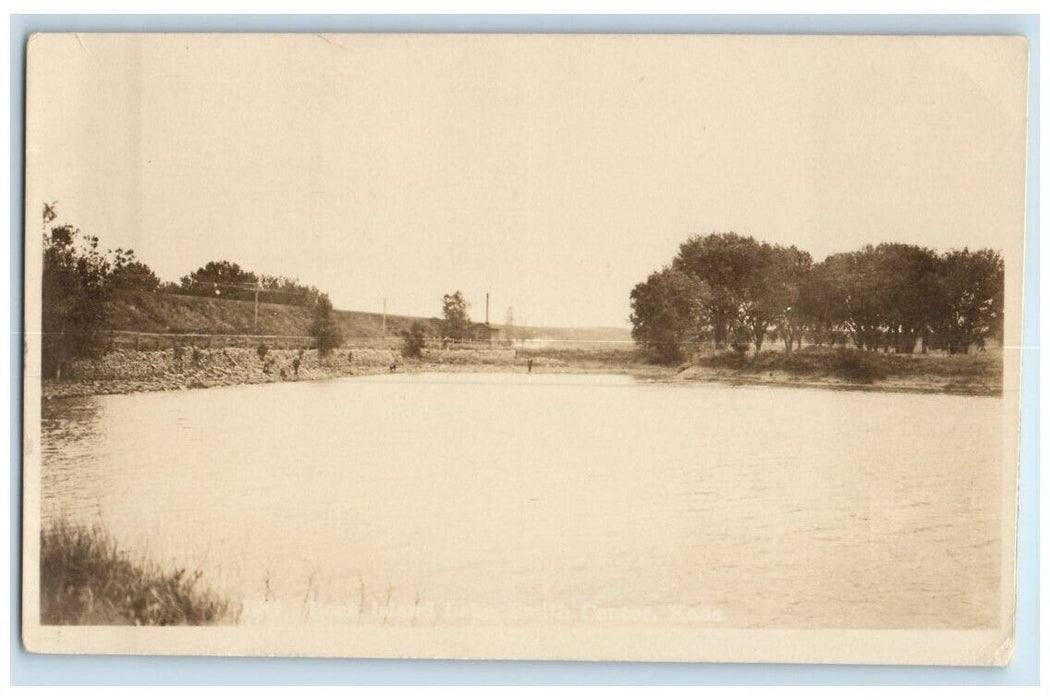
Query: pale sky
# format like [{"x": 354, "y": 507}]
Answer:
[{"x": 554, "y": 172}]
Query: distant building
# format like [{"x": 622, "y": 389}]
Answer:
[{"x": 484, "y": 333}]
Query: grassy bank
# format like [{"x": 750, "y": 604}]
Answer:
[
  {"x": 978, "y": 374},
  {"x": 157, "y": 312},
  {"x": 87, "y": 579},
  {"x": 145, "y": 312}
]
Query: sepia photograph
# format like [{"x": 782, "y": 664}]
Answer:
[{"x": 524, "y": 346}]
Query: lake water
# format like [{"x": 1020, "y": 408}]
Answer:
[{"x": 410, "y": 499}]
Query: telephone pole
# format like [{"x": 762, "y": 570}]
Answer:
[{"x": 256, "y": 326}]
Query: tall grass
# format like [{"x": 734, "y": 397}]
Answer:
[{"x": 87, "y": 579}]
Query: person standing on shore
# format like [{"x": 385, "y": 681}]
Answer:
[{"x": 530, "y": 365}]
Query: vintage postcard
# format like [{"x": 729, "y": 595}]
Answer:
[{"x": 617, "y": 347}]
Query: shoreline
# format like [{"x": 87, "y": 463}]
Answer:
[
  {"x": 130, "y": 371},
  {"x": 891, "y": 385}
]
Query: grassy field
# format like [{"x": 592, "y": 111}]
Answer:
[{"x": 87, "y": 579}]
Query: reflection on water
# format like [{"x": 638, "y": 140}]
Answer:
[{"x": 411, "y": 499}]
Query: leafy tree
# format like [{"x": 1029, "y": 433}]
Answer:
[
  {"x": 77, "y": 282},
  {"x": 789, "y": 271},
  {"x": 969, "y": 305},
  {"x": 220, "y": 278},
  {"x": 884, "y": 296},
  {"x": 229, "y": 280},
  {"x": 858, "y": 295},
  {"x": 324, "y": 329},
  {"x": 415, "y": 339},
  {"x": 816, "y": 308},
  {"x": 751, "y": 285},
  {"x": 668, "y": 311},
  {"x": 456, "y": 319},
  {"x": 770, "y": 290},
  {"x": 287, "y": 290},
  {"x": 723, "y": 262},
  {"x": 908, "y": 274},
  {"x": 74, "y": 293},
  {"x": 129, "y": 274}
]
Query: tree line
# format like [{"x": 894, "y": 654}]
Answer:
[
  {"x": 736, "y": 291},
  {"x": 229, "y": 280},
  {"x": 79, "y": 278}
]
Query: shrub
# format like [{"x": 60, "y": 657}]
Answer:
[
  {"x": 324, "y": 329},
  {"x": 727, "y": 358},
  {"x": 74, "y": 295},
  {"x": 85, "y": 578},
  {"x": 857, "y": 365},
  {"x": 415, "y": 340}
]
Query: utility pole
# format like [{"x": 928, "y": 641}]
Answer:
[
  {"x": 256, "y": 326},
  {"x": 486, "y": 308}
]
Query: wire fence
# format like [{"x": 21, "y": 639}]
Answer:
[{"x": 138, "y": 340}]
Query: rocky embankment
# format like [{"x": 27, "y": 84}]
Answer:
[{"x": 128, "y": 371}]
